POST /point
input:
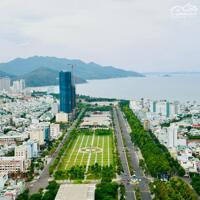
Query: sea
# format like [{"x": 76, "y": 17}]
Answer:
[{"x": 173, "y": 88}]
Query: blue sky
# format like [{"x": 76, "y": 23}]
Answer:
[{"x": 138, "y": 35}]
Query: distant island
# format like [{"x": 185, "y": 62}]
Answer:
[
  {"x": 43, "y": 71},
  {"x": 166, "y": 75},
  {"x": 169, "y": 74}
]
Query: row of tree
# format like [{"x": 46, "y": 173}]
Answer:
[
  {"x": 79, "y": 172},
  {"x": 103, "y": 132},
  {"x": 96, "y": 108},
  {"x": 195, "y": 182},
  {"x": 108, "y": 190},
  {"x": 95, "y": 99},
  {"x": 50, "y": 194},
  {"x": 175, "y": 188},
  {"x": 157, "y": 158}
]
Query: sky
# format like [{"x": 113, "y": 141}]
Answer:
[{"x": 139, "y": 35}]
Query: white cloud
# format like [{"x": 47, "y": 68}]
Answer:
[{"x": 137, "y": 34}]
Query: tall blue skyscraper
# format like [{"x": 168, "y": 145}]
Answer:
[{"x": 67, "y": 92}]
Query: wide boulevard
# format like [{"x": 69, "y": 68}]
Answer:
[{"x": 124, "y": 130}]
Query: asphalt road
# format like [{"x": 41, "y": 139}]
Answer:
[
  {"x": 122, "y": 153},
  {"x": 144, "y": 183},
  {"x": 42, "y": 182}
]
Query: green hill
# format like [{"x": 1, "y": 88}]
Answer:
[
  {"x": 40, "y": 71},
  {"x": 44, "y": 77}
]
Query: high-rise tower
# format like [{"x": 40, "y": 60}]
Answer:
[{"x": 67, "y": 92}]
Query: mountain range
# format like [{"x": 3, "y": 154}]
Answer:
[{"x": 43, "y": 71}]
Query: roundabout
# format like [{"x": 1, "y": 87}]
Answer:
[{"x": 90, "y": 150}]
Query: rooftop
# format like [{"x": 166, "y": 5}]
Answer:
[{"x": 76, "y": 192}]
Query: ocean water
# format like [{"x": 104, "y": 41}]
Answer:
[{"x": 181, "y": 88}]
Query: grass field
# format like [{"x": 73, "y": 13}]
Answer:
[{"x": 88, "y": 149}]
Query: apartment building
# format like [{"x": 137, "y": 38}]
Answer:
[
  {"x": 12, "y": 164},
  {"x": 37, "y": 134},
  {"x": 55, "y": 131}
]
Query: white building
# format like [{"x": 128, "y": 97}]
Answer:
[
  {"x": 21, "y": 152},
  {"x": 165, "y": 108},
  {"x": 18, "y": 86},
  {"x": 27, "y": 150},
  {"x": 4, "y": 84},
  {"x": 61, "y": 117},
  {"x": 162, "y": 108},
  {"x": 136, "y": 105},
  {"x": 37, "y": 134},
  {"x": 174, "y": 108},
  {"x": 172, "y": 136},
  {"x": 55, "y": 108},
  {"x": 33, "y": 148},
  {"x": 186, "y": 159},
  {"x": 55, "y": 132}
]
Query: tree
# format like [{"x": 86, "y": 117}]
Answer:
[
  {"x": 175, "y": 188},
  {"x": 48, "y": 196},
  {"x": 36, "y": 196},
  {"x": 156, "y": 156},
  {"x": 195, "y": 182},
  {"x": 106, "y": 191},
  {"x": 23, "y": 196}
]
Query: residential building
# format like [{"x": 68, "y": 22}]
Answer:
[
  {"x": 21, "y": 152},
  {"x": 172, "y": 136},
  {"x": 33, "y": 148},
  {"x": 11, "y": 137},
  {"x": 5, "y": 84},
  {"x": 12, "y": 164},
  {"x": 27, "y": 150},
  {"x": 61, "y": 117},
  {"x": 18, "y": 86},
  {"x": 165, "y": 108},
  {"x": 55, "y": 108},
  {"x": 37, "y": 134},
  {"x": 55, "y": 132}
]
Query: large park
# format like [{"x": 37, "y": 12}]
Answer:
[
  {"x": 90, "y": 152},
  {"x": 88, "y": 148}
]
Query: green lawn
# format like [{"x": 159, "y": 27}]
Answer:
[{"x": 86, "y": 150}]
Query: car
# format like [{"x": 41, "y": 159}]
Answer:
[{"x": 133, "y": 176}]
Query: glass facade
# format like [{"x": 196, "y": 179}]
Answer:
[{"x": 67, "y": 92}]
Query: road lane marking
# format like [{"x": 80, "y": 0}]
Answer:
[
  {"x": 90, "y": 153},
  {"x": 84, "y": 152},
  {"x": 102, "y": 152},
  {"x": 79, "y": 149},
  {"x": 72, "y": 152},
  {"x": 96, "y": 152}
]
